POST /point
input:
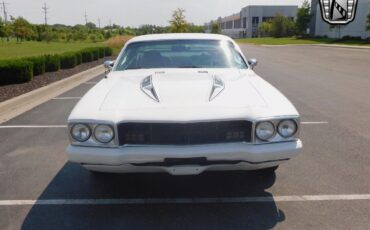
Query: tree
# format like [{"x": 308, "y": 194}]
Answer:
[
  {"x": 91, "y": 26},
  {"x": 281, "y": 26},
  {"x": 2, "y": 29},
  {"x": 22, "y": 29},
  {"x": 303, "y": 18},
  {"x": 178, "y": 22},
  {"x": 215, "y": 29},
  {"x": 368, "y": 22},
  {"x": 265, "y": 29}
]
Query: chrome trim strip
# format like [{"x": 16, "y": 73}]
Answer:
[{"x": 136, "y": 164}]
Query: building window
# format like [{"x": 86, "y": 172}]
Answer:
[
  {"x": 255, "y": 20},
  {"x": 267, "y": 19},
  {"x": 237, "y": 24},
  {"x": 244, "y": 22},
  {"x": 229, "y": 25}
]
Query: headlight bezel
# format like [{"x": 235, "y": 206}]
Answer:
[
  {"x": 100, "y": 141},
  {"x": 277, "y": 137},
  {"x": 74, "y": 137},
  {"x": 92, "y": 141},
  {"x": 287, "y": 120},
  {"x": 273, "y": 134}
]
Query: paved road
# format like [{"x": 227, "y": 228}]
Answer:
[{"x": 326, "y": 84}]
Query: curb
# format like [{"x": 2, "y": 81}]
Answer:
[{"x": 25, "y": 102}]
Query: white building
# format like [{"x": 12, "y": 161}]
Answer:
[
  {"x": 245, "y": 24},
  {"x": 357, "y": 28}
]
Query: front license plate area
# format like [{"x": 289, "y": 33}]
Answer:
[{"x": 185, "y": 161}]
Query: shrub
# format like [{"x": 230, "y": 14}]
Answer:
[
  {"x": 96, "y": 53},
  {"x": 68, "y": 60},
  {"x": 15, "y": 71},
  {"x": 87, "y": 55},
  {"x": 78, "y": 58},
  {"x": 52, "y": 63},
  {"x": 108, "y": 51},
  {"x": 38, "y": 64},
  {"x": 101, "y": 52}
]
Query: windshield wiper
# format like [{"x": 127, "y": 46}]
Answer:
[
  {"x": 138, "y": 67},
  {"x": 190, "y": 66}
]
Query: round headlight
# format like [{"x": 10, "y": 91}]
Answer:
[
  {"x": 104, "y": 133},
  {"x": 80, "y": 132},
  {"x": 265, "y": 130},
  {"x": 287, "y": 128}
]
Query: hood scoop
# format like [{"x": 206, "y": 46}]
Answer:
[
  {"x": 217, "y": 88},
  {"x": 148, "y": 88}
]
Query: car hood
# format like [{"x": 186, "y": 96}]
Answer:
[
  {"x": 185, "y": 89},
  {"x": 183, "y": 95}
]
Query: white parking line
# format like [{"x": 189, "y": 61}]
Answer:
[
  {"x": 31, "y": 126},
  {"x": 314, "y": 122},
  {"x": 67, "y": 98},
  {"x": 216, "y": 200}
]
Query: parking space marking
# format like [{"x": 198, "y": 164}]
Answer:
[
  {"x": 216, "y": 200},
  {"x": 67, "y": 98},
  {"x": 31, "y": 126},
  {"x": 314, "y": 122}
]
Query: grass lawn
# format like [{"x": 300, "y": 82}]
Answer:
[
  {"x": 13, "y": 49},
  {"x": 296, "y": 41}
]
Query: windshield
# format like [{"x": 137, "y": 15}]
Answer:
[{"x": 180, "y": 54}]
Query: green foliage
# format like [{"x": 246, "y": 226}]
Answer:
[
  {"x": 265, "y": 29},
  {"x": 68, "y": 60},
  {"x": 78, "y": 58},
  {"x": 15, "y": 71},
  {"x": 101, "y": 52},
  {"x": 2, "y": 28},
  {"x": 278, "y": 27},
  {"x": 303, "y": 18},
  {"x": 91, "y": 26},
  {"x": 368, "y": 22},
  {"x": 52, "y": 63},
  {"x": 178, "y": 22},
  {"x": 22, "y": 29},
  {"x": 108, "y": 51},
  {"x": 38, "y": 64},
  {"x": 96, "y": 53},
  {"x": 22, "y": 70},
  {"x": 87, "y": 55},
  {"x": 216, "y": 29}
]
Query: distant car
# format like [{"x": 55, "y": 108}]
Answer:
[{"x": 182, "y": 104}]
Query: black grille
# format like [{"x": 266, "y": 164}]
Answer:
[{"x": 184, "y": 134}]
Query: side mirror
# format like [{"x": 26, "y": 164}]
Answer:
[
  {"x": 108, "y": 66},
  {"x": 253, "y": 62}
]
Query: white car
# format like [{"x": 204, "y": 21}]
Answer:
[{"x": 182, "y": 104}]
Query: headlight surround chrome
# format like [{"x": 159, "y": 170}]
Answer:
[
  {"x": 287, "y": 128},
  {"x": 80, "y": 132},
  {"x": 265, "y": 130},
  {"x": 104, "y": 133}
]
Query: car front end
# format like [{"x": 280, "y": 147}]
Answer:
[{"x": 184, "y": 148}]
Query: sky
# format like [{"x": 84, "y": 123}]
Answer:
[{"x": 130, "y": 12}]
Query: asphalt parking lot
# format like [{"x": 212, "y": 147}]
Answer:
[{"x": 327, "y": 187}]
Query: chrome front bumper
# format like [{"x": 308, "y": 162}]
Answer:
[{"x": 231, "y": 156}]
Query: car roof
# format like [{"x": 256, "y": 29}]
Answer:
[{"x": 179, "y": 36}]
